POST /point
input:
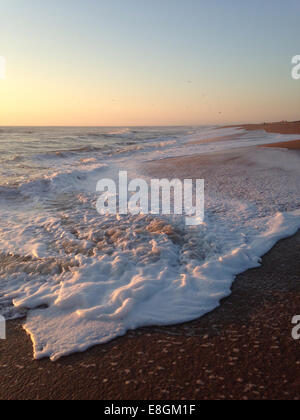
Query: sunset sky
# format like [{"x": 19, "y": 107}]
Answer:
[{"x": 148, "y": 62}]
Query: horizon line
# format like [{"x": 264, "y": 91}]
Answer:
[{"x": 141, "y": 125}]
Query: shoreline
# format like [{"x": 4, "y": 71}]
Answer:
[
  {"x": 241, "y": 350},
  {"x": 282, "y": 127},
  {"x": 238, "y": 351}
]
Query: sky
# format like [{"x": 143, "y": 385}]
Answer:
[{"x": 148, "y": 62}]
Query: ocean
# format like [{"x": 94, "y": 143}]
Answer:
[{"x": 83, "y": 279}]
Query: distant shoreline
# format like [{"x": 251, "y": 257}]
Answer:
[{"x": 282, "y": 127}]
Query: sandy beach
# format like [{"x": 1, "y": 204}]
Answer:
[
  {"x": 239, "y": 351},
  {"x": 282, "y": 127},
  {"x": 149, "y": 203}
]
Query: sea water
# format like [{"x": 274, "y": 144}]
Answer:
[{"x": 83, "y": 279}]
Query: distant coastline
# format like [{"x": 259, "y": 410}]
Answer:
[{"x": 280, "y": 127}]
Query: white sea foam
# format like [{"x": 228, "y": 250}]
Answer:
[{"x": 84, "y": 279}]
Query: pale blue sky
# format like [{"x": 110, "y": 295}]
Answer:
[{"x": 149, "y": 61}]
